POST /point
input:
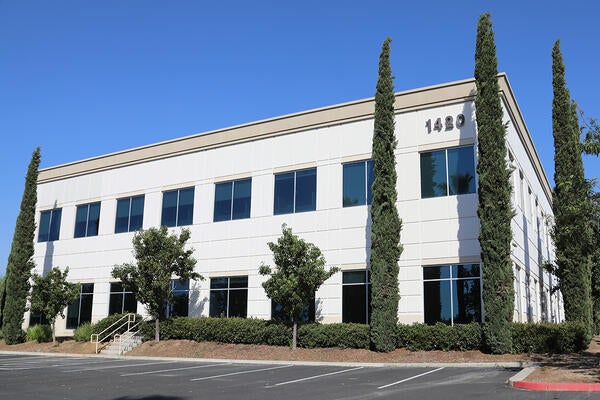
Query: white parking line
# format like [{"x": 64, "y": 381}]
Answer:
[
  {"x": 172, "y": 369},
  {"x": 239, "y": 373},
  {"x": 315, "y": 376},
  {"x": 119, "y": 366},
  {"x": 412, "y": 377}
]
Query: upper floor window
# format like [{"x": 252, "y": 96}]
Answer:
[
  {"x": 232, "y": 200},
  {"x": 87, "y": 220},
  {"x": 49, "y": 225},
  {"x": 358, "y": 180},
  {"x": 130, "y": 214},
  {"x": 448, "y": 172},
  {"x": 178, "y": 207},
  {"x": 295, "y": 191}
]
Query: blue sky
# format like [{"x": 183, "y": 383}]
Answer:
[{"x": 84, "y": 78}]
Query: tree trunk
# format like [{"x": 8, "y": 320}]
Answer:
[
  {"x": 156, "y": 330},
  {"x": 294, "y": 332}
]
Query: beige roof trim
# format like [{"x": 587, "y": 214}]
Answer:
[{"x": 410, "y": 100}]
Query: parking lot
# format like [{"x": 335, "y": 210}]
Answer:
[{"x": 49, "y": 377}]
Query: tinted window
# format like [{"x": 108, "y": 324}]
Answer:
[
  {"x": 49, "y": 225},
  {"x": 284, "y": 193},
  {"x": 461, "y": 170}
]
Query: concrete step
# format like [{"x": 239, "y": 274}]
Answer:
[{"x": 129, "y": 341}]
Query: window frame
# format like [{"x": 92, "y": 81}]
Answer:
[
  {"x": 295, "y": 196},
  {"x": 87, "y": 220},
  {"x": 232, "y": 199},
  {"x": 367, "y": 284},
  {"x": 178, "y": 207},
  {"x": 130, "y": 200},
  {"x": 368, "y": 189},
  {"x": 448, "y": 183},
  {"x": 123, "y": 293},
  {"x": 51, "y": 223},
  {"x": 450, "y": 279},
  {"x": 227, "y": 291},
  {"x": 79, "y": 302}
]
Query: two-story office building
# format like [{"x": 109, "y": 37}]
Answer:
[{"x": 234, "y": 187}]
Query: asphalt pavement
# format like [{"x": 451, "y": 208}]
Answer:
[{"x": 26, "y": 376}]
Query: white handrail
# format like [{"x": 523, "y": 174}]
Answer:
[{"x": 113, "y": 333}]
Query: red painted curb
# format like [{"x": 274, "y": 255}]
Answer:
[{"x": 558, "y": 387}]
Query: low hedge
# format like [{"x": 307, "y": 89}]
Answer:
[
  {"x": 566, "y": 337},
  {"x": 345, "y": 335},
  {"x": 222, "y": 330},
  {"x": 439, "y": 337},
  {"x": 527, "y": 338}
]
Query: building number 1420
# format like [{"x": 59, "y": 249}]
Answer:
[{"x": 447, "y": 125}]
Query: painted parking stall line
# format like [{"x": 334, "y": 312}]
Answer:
[
  {"x": 411, "y": 378},
  {"x": 314, "y": 377},
  {"x": 119, "y": 366},
  {"x": 239, "y": 373},
  {"x": 173, "y": 369}
]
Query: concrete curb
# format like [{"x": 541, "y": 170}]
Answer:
[
  {"x": 289, "y": 362},
  {"x": 518, "y": 381}
]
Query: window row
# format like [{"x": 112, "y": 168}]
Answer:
[
  {"x": 443, "y": 173},
  {"x": 451, "y": 293}
]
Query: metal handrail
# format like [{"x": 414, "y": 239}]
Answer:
[{"x": 130, "y": 319}]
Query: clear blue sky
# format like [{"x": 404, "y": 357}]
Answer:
[{"x": 84, "y": 78}]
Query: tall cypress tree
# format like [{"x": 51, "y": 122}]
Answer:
[
  {"x": 386, "y": 225},
  {"x": 572, "y": 230},
  {"x": 495, "y": 210},
  {"x": 20, "y": 259}
]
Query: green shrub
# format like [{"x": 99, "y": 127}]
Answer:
[
  {"x": 439, "y": 337},
  {"x": 566, "y": 337},
  {"x": 39, "y": 333},
  {"x": 344, "y": 335},
  {"x": 222, "y": 330},
  {"x": 83, "y": 333}
]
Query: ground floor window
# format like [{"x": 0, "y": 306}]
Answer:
[
  {"x": 229, "y": 296},
  {"x": 452, "y": 293},
  {"x": 121, "y": 300},
  {"x": 356, "y": 296},
  {"x": 308, "y": 313},
  {"x": 80, "y": 311},
  {"x": 179, "y": 307},
  {"x": 37, "y": 319}
]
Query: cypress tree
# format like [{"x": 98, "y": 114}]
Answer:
[
  {"x": 386, "y": 225},
  {"x": 572, "y": 230},
  {"x": 495, "y": 210},
  {"x": 20, "y": 259}
]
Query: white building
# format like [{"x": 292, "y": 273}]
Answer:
[{"x": 234, "y": 187}]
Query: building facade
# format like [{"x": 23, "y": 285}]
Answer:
[{"x": 235, "y": 187}]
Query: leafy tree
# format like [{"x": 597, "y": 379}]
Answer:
[
  {"x": 572, "y": 232},
  {"x": 159, "y": 257},
  {"x": 20, "y": 259},
  {"x": 495, "y": 209},
  {"x": 2, "y": 298},
  {"x": 386, "y": 224},
  {"x": 51, "y": 294},
  {"x": 300, "y": 271}
]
